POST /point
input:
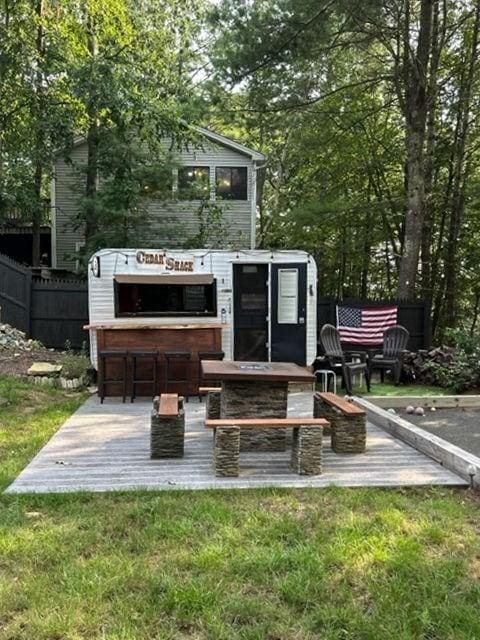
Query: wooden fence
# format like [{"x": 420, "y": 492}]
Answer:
[
  {"x": 413, "y": 315},
  {"x": 52, "y": 311}
]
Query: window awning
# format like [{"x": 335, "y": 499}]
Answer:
[{"x": 167, "y": 278}]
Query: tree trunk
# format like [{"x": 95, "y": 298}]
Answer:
[
  {"x": 458, "y": 191},
  {"x": 428, "y": 215},
  {"x": 39, "y": 133},
  {"x": 416, "y": 105},
  {"x": 91, "y": 182}
]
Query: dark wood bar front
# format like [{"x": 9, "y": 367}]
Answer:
[{"x": 162, "y": 338}]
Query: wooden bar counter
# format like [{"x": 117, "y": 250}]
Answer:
[{"x": 162, "y": 337}]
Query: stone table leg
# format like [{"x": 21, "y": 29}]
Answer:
[
  {"x": 226, "y": 451},
  {"x": 307, "y": 451},
  {"x": 256, "y": 399}
]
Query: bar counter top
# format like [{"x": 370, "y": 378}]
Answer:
[{"x": 157, "y": 325}]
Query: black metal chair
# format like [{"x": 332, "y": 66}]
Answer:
[
  {"x": 104, "y": 357},
  {"x": 175, "y": 360},
  {"x": 338, "y": 359},
  {"x": 395, "y": 340},
  {"x": 208, "y": 355},
  {"x": 137, "y": 357}
]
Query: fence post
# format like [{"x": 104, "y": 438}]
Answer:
[{"x": 28, "y": 304}]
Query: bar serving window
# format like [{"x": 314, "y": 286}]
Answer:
[{"x": 160, "y": 299}]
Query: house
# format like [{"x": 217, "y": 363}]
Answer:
[{"x": 226, "y": 168}]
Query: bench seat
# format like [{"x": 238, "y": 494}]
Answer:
[
  {"x": 348, "y": 422},
  {"x": 167, "y": 427},
  {"x": 306, "y": 457}
]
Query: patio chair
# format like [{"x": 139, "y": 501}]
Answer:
[
  {"x": 395, "y": 340},
  {"x": 337, "y": 358}
]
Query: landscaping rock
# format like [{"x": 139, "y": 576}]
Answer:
[
  {"x": 14, "y": 339},
  {"x": 44, "y": 369}
]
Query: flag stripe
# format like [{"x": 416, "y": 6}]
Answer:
[{"x": 365, "y": 326}]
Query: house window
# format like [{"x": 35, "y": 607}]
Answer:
[
  {"x": 193, "y": 183},
  {"x": 154, "y": 300},
  {"x": 231, "y": 183}
]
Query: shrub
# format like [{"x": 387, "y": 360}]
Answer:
[
  {"x": 74, "y": 366},
  {"x": 455, "y": 367}
]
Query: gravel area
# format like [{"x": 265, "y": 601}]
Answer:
[{"x": 459, "y": 426}]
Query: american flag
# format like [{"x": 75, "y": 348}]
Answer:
[{"x": 365, "y": 326}]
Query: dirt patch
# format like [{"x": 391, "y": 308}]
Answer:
[{"x": 17, "y": 363}]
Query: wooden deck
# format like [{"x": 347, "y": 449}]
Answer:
[{"x": 106, "y": 448}]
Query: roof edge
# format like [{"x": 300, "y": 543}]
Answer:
[{"x": 207, "y": 133}]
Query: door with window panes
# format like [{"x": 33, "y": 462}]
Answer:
[{"x": 289, "y": 313}]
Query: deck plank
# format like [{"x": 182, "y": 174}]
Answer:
[{"x": 106, "y": 448}]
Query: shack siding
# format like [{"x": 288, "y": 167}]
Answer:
[
  {"x": 171, "y": 223},
  {"x": 220, "y": 263}
]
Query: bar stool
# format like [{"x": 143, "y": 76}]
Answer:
[
  {"x": 208, "y": 355},
  {"x": 104, "y": 355},
  {"x": 137, "y": 357},
  {"x": 173, "y": 360}
]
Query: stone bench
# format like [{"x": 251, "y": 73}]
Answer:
[
  {"x": 348, "y": 422},
  {"x": 306, "y": 457},
  {"x": 167, "y": 431}
]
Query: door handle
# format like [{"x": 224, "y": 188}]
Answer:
[{"x": 301, "y": 320}]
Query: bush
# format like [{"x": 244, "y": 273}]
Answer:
[
  {"x": 75, "y": 366},
  {"x": 455, "y": 367}
]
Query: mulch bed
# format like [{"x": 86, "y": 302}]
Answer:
[{"x": 17, "y": 363}]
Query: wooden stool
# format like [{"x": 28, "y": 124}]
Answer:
[
  {"x": 173, "y": 359},
  {"x": 207, "y": 355},
  {"x": 136, "y": 356},
  {"x": 110, "y": 354}
]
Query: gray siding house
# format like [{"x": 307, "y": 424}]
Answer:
[{"x": 227, "y": 168}]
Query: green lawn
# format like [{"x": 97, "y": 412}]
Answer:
[{"x": 263, "y": 565}]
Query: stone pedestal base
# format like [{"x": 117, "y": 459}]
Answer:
[
  {"x": 167, "y": 435},
  {"x": 213, "y": 405},
  {"x": 307, "y": 451},
  {"x": 226, "y": 452},
  {"x": 349, "y": 435},
  {"x": 256, "y": 399}
]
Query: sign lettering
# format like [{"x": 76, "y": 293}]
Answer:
[{"x": 162, "y": 260}]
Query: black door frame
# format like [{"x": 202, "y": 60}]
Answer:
[{"x": 270, "y": 302}]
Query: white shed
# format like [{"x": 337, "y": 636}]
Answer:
[{"x": 261, "y": 303}]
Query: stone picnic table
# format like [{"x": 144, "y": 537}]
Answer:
[{"x": 256, "y": 390}]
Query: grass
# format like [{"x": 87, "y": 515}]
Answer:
[
  {"x": 387, "y": 389},
  {"x": 254, "y": 565}
]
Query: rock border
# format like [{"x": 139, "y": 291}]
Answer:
[{"x": 461, "y": 462}]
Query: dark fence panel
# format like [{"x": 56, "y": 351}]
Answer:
[
  {"x": 413, "y": 315},
  {"x": 52, "y": 311},
  {"x": 59, "y": 312},
  {"x": 15, "y": 292}
]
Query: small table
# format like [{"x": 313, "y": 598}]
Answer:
[{"x": 258, "y": 390}]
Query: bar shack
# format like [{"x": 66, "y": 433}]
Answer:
[{"x": 154, "y": 314}]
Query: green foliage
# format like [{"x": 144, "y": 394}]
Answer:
[
  {"x": 459, "y": 368},
  {"x": 74, "y": 366}
]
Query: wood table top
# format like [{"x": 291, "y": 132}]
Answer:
[
  {"x": 269, "y": 371},
  {"x": 144, "y": 326}
]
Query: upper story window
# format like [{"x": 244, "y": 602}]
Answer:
[
  {"x": 231, "y": 183},
  {"x": 193, "y": 183}
]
